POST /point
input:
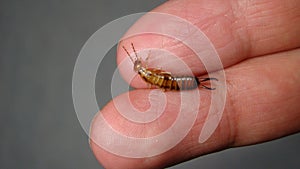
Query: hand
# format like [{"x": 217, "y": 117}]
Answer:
[{"x": 258, "y": 43}]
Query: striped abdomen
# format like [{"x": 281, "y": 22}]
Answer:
[{"x": 167, "y": 81}]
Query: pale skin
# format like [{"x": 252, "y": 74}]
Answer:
[{"x": 258, "y": 42}]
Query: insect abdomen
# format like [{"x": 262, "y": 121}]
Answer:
[
  {"x": 185, "y": 83},
  {"x": 152, "y": 78},
  {"x": 166, "y": 81}
]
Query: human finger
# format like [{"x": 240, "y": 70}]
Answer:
[{"x": 258, "y": 109}]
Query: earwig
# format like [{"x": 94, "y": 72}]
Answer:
[{"x": 165, "y": 80}]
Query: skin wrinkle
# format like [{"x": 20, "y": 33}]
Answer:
[
  {"x": 217, "y": 20},
  {"x": 190, "y": 55},
  {"x": 231, "y": 115},
  {"x": 259, "y": 21},
  {"x": 210, "y": 21},
  {"x": 233, "y": 100},
  {"x": 217, "y": 24},
  {"x": 185, "y": 54},
  {"x": 242, "y": 19},
  {"x": 257, "y": 107},
  {"x": 239, "y": 30}
]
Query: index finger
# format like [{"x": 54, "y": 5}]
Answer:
[{"x": 237, "y": 30}]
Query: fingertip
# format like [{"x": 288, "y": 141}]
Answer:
[
  {"x": 106, "y": 146},
  {"x": 164, "y": 139}
]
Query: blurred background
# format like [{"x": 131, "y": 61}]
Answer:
[{"x": 39, "y": 43}]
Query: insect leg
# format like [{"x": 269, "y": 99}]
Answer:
[
  {"x": 149, "y": 85},
  {"x": 163, "y": 89},
  {"x": 147, "y": 58}
]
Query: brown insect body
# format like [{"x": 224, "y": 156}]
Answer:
[{"x": 165, "y": 80}]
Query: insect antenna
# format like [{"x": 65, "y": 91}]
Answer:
[
  {"x": 128, "y": 54},
  {"x": 204, "y": 80},
  {"x": 135, "y": 52}
]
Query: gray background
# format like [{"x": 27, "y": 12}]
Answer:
[{"x": 39, "y": 43}]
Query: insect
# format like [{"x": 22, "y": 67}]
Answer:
[{"x": 165, "y": 80}]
